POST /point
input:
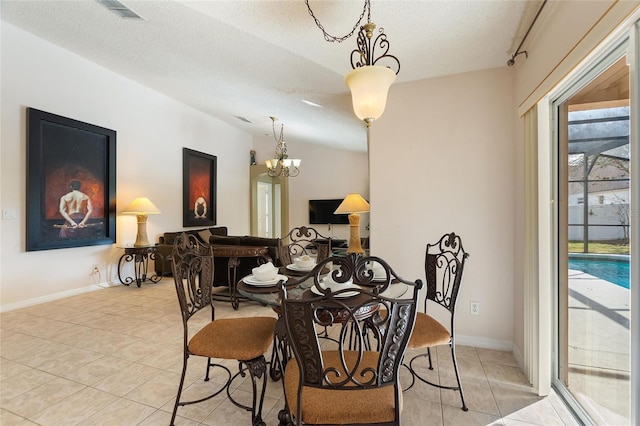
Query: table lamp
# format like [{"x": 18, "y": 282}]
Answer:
[
  {"x": 353, "y": 204},
  {"x": 141, "y": 207}
]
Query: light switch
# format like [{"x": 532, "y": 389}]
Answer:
[{"x": 9, "y": 214}]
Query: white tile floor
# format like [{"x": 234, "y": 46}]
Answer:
[{"x": 114, "y": 356}]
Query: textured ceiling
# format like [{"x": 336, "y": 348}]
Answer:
[{"x": 256, "y": 59}]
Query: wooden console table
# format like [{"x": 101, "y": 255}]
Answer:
[
  {"x": 140, "y": 256},
  {"x": 234, "y": 253}
]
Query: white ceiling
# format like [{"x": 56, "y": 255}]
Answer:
[{"x": 256, "y": 59}]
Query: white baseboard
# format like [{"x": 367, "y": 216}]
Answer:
[
  {"x": 485, "y": 343},
  {"x": 51, "y": 297},
  {"x": 107, "y": 284},
  {"x": 518, "y": 356}
]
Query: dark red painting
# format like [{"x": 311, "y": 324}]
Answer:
[
  {"x": 199, "y": 187},
  {"x": 70, "y": 181}
]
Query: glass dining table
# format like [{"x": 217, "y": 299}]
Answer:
[
  {"x": 268, "y": 294},
  {"x": 300, "y": 285}
]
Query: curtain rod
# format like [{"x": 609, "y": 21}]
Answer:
[{"x": 512, "y": 61}]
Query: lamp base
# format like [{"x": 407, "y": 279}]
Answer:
[
  {"x": 354, "y": 234},
  {"x": 141, "y": 236}
]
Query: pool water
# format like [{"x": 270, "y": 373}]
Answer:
[{"x": 612, "y": 270}]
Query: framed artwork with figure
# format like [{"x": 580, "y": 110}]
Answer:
[
  {"x": 71, "y": 182},
  {"x": 199, "y": 188}
]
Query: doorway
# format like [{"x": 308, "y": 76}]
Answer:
[{"x": 269, "y": 203}]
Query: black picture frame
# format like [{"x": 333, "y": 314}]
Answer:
[
  {"x": 71, "y": 169},
  {"x": 199, "y": 181}
]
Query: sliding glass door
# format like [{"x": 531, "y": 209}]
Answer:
[{"x": 593, "y": 297}]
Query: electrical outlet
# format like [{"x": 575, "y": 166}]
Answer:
[
  {"x": 95, "y": 270},
  {"x": 475, "y": 308}
]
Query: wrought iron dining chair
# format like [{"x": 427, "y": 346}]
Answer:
[
  {"x": 242, "y": 339},
  {"x": 342, "y": 383},
  {"x": 304, "y": 241},
  {"x": 444, "y": 264}
]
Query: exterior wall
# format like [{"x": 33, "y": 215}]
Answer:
[
  {"x": 442, "y": 160},
  {"x": 601, "y": 214}
]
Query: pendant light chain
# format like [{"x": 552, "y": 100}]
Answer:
[
  {"x": 332, "y": 38},
  {"x": 281, "y": 146},
  {"x": 281, "y": 164}
]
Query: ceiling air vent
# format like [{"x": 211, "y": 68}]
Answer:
[
  {"x": 119, "y": 9},
  {"x": 246, "y": 120}
]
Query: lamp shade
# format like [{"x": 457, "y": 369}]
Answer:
[
  {"x": 369, "y": 87},
  {"x": 271, "y": 163},
  {"x": 353, "y": 203},
  {"x": 141, "y": 205}
]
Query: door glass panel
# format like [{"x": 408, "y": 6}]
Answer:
[
  {"x": 269, "y": 203},
  {"x": 594, "y": 296},
  {"x": 277, "y": 210},
  {"x": 264, "y": 209},
  {"x": 269, "y": 208}
]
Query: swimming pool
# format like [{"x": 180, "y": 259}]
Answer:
[{"x": 614, "y": 270}]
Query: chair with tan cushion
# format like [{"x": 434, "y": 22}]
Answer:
[
  {"x": 345, "y": 381},
  {"x": 444, "y": 264},
  {"x": 242, "y": 339}
]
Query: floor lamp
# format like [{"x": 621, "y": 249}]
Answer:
[
  {"x": 141, "y": 207},
  {"x": 353, "y": 205}
]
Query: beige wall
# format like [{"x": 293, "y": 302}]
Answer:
[
  {"x": 325, "y": 172},
  {"x": 566, "y": 32},
  {"x": 442, "y": 161},
  {"x": 448, "y": 156},
  {"x": 151, "y": 132}
]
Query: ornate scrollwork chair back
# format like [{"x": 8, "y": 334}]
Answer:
[
  {"x": 192, "y": 262},
  {"x": 346, "y": 380},
  {"x": 444, "y": 265},
  {"x": 242, "y": 339},
  {"x": 302, "y": 241}
]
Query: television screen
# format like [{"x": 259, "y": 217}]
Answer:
[{"x": 321, "y": 212}]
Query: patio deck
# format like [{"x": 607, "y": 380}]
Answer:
[{"x": 599, "y": 347}]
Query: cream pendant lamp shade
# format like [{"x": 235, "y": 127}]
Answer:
[
  {"x": 141, "y": 207},
  {"x": 369, "y": 83},
  {"x": 369, "y": 87}
]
